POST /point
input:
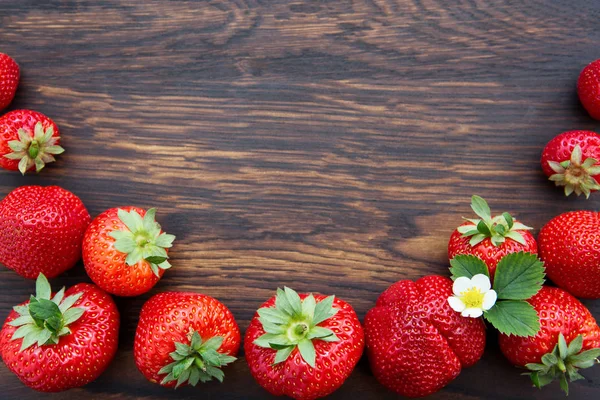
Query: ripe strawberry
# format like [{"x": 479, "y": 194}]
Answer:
[
  {"x": 567, "y": 328},
  {"x": 183, "y": 338},
  {"x": 303, "y": 346},
  {"x": 490, "y": 238},
  {"x": 28, "y": 140},
  {"x": 41, "y": 229},
  {"x": 569, "y": 247},
  {"x": 588, "y": 88},
  {"x": 571, "y": 160},
  {"x": 55, "y": 343},
  {"x": 9, "y": 80},
  {"x": 416, "y": 343},
  {"x": 125, "y": 250}
]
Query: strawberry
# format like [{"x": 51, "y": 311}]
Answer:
[
  {"x": 416, "y": 343},
  {"x": 125, "y": 250},
  {"x": 303, "y": 346},
  {"x": 489, "y": 238},
  {"x": 569, "y": 246},
  {"x": 569, "y": 339},
  {"x": 9, "y": 80},
  {"x": 184, "y": 338},
  {"x": 588, "y": 88},
  {"x": 41, "y": 229},
  {"x": 61, "y": 341},
  {"x": 28, "y": 140},
  {"x": 571, "y": 160}
]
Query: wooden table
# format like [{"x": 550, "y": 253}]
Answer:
[{"x": 331, "y": 146}]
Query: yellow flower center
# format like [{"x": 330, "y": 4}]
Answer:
[{"x": 473, "y": 298}]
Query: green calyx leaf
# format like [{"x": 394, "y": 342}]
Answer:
[
  {"x": 34, "y": 150},
  {"x": 142, "y": 240},
  {"x": 199, "y": 361},
  {"x": 563, "y": 363},
  {"x": 293, "y": 323},
  {"x": 498, "y": 228},
  {"x": 467, "y": 265},
  {"x": 519, "y": 276},
  {"x": 574, "y": 175},
  {"x": 44, "y": 319}
]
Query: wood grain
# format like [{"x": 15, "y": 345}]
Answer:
[{"x": 331, "y": 146}]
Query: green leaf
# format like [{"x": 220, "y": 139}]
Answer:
[
  {"x": 59, "y": 296},
  {"x": 43, "y": 337},
  {"x": 183, "y": 378},
  {"x": 149, "y": 220},
  {"x": 226, "y": 359},
  {"x": 514, "y": 318},
  {"x": 282, "y": 303},
  {"x": 308, "y": 306},
  {"x": 564, "y": 385},
  {"x": 42, "y": 287},
  {"x": 22, "y": 320},
  {"x": 324, "y": 310},
  {"x": 519, "y": 276},
  {"x": 165, "y": 240},
  {"x": 43, "y": 309},
  {"x": 69, "y": 302},
  {"x": 537, "y": 367},
  {"x": 132, "y": 220},
  {"x": 214, "y": 343},
  {"x": 283, "y": 354},
  {"x": 509, "y": 220},
  {"x": 24, "y": 331},
  {"x": 517, "y": 237},
  {"x": 194, "y": 377},
  {"x": 293, "y": 300},
  {"x": 307, "y": 351},
  {"x": 56, "y": 150},
  {"x": 481, "y": 208},
  {"x": 562, "y": 346},
  {"x": 272, "y": 315},
  {"x": 484, "y": 229},
  {"x": 318, "y": 332},
  {"x": 196, "y": 341},
  {"x": 500, "y": 229},
  {"x": 468, "y": 266},
  {"x": 156, "y": 259},
  {"x": 215, "y": 373},
  {"x": 575, "y": 346},
  {"x": 272, "y": 328},
  {"x": 476, "y": 239},
  {"x": 266, "y": 339},
  {"x": 549, "y": 359},
  {"x": 134, "y": 257},
  {"x": 72, "y": 315}
]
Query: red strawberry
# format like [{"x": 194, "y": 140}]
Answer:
[
  {"x": 588, "y": 88},
  {"x": 303, "y": 346},
  {"x": 490, "y": 238},
  {"x": 28, "y": 140},
  {"x": 125, "y": 250},
  {"x": 570, "y": 249},
  {"x": 416, "y": 343},
  {"x": 571, "y": 160},
  {"x": 41, "y": 230},
  {"x": 184, "y": 338},
  {"x": 59, "y": 342},
  {"x": 9, "y": 80},
  {"x": 560, "y": 315}
]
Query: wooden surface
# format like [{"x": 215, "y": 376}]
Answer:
[{"x": 331, "y": 146}]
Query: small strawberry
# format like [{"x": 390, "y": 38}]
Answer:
[
  {"x": 571, "y": 160},
  {"x": 416, "y": 342},
  {"x": 570, "y": 248},
  {"x": 125, "y": 250},
  {"x": 61, "y": 341},
  {"x": 9, "y": 80},
  {"x": 28, "y": 140},
  {"x": 303, "y": 346},
  {"x": 41, "y": 230},
  {"x": 588, "y": 88},
  {"x": 184, "y": 338},
  {"x": 569, "y": 339},
  {"x": 490, "y": 238}
]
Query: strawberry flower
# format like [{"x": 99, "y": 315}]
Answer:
[{"x": 472, "y": 296}]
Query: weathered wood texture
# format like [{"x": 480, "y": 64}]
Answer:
[{"x": 331, "y": 146}]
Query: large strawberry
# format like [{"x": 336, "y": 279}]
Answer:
[
  {"x": 303, "y": 346},
  {"x": 185, "y": 338},
  {"x": 571, "y": 160},
  {"x": 570, "y": 248},
  {"x": 490, "y": 238},
  {"x": 41, "y": 230},
  {"x": 61, "y": 341},
  {"x": 588, "y": 88},
  {"x": 9, "y": 79},
  {"x": 28, "y": 140},
  {"x": 416, "y": 342},
  {"x": 568, "y": 340},
  {"x": 125, "y": 250}
]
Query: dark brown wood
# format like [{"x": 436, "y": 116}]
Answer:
[{"x": 331, "y": 146}]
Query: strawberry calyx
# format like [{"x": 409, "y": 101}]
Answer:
[
  {"x": 575, "y": 175},
  {"x": 45, "y": 319},
  {"x": 563, "y": 363},
  {"x": 199, "y": 361},
  {"x": 498, "y": 228},
  {"x": 143, "y": 240},
  {"x": 293, "y": 323},
  {"x": 37, "y": 150}
]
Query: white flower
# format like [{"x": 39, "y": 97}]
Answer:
[{"x": 472, "y": 296}]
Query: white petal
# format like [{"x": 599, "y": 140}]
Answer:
[
  {"x": 472, "y": 312},
  {"x": 489, "y": 299},
  {"x": 460, "y": 285},
  {"x": 456, "y": 304},
  {"x": 482, "y": 282}
]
